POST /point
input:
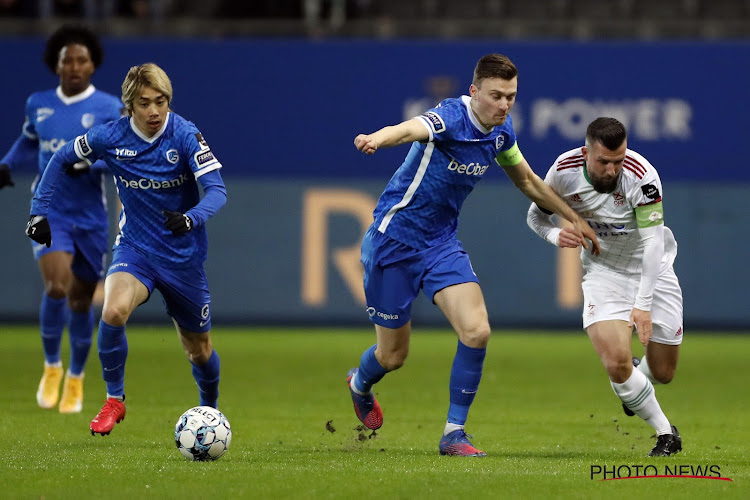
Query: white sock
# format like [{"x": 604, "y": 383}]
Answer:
[
  {"x": 54, "y": 365},
  {"x": 353, "y": 386},
  {"x": 449, "y": 427},
  {"x": 638, "y": 394},
  {"x": 118, "y": 398},
  {"x": 644, "y": 369}
]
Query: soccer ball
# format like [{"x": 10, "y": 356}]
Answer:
[{"x": 202, "y": 433}]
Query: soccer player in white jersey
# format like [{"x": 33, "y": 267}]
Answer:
[
  {"x": 413, "y": 243},
  {"x": 158, "y": 160},
  {"x": 74, "y": 264},
  {"x": 632, "y": 282}
]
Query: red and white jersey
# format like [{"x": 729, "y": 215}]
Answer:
[{"x": 612, "y": 215}]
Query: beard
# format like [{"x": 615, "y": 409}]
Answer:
[{"x": 605, "y": 186}]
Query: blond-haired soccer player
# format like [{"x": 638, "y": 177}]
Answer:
[
  {"x": 158, "y": 160},
  {"x": 632, "y": 282},
  {"x": 413, "y": 243}
]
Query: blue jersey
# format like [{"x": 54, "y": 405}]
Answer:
[
  {"x": 421, "y": 203},
  {"x": 152, "y": 174},
  {"x": 52, "y": 120}
]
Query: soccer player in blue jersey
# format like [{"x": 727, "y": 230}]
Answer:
[
  {"x": 412, "y": 243},
  {"x": 158, "y": 159},
  {"x": 73, "y": 265}
]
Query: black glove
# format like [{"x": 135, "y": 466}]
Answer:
[
  {"x": 177, "y": 222},
  {"x": 78, "y": 169},
  {"x": 38, "y": 230},
  {"x": 5, "y": 179}
]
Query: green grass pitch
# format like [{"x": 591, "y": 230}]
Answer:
[{"x": 545, "y": 415}]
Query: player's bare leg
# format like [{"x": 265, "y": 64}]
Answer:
[
  {"x": 611, "y": 340},
  {"x": 388, "y": 354},
  {"x": 464, "y": 306},
  {"x": 123, "y": 292},
  {"x": 205, "y": 362}
]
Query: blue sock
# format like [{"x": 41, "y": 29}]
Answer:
[
  {"x": 465, "y": 376},
  {"x": 370, "y": 372},
  {"x": 113, "y": 351},
  {"x": 207, "y": 378},
  {"x": 52, "y": 321},
  {"x": 81, "y": 329}
]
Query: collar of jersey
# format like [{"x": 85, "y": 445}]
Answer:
[
  {"x": 156, "y": 135},
  {"x": 74, "y": 98},
  {"x": 586, "y": 173},
  {"x": 467, "y": 102}
]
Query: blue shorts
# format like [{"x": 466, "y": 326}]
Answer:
[
  {"x": 394, "y": 274},
  {"x": 185, "y": 291},
  {"x": 89, "y": 249}
]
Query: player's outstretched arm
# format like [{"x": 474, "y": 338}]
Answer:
[
  {"x": 540, "y": 193},
  {"x": 392, "y": 135}
]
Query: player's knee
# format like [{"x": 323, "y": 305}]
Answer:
[
  {"x": 199, "y": 354},
  {"x": 478, "y": 336},
  {"x": 79, "y": 304},
  {"x": 619, "y": 370},
  {"x": 55, "y": 289},
  {"x": 392, "y": 360},
  {"x": 663, "y": 374},
  {"x": 115, "y": 315}
]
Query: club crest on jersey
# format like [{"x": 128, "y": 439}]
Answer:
[
  {"x": 87, "y": 120},
  {"x": 173, "y": 156},
  {"x": 619, "y": 198},
  {"x": 436, "y": 123},
  {"x": 499, "y": 141}
]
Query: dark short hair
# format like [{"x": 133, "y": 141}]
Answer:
[
  {"x": 494, "y": 66},
  {"x": 608, "y": 131},
  {"x": 71, "y": 34}
]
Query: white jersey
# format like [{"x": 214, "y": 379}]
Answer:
[{"x": 612, "y": 215}]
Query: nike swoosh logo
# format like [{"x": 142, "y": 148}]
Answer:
[
  {"x": 203, "y": 323},
  {"x": 467, "y": 392},
  {"x": 112, "y": 369}
]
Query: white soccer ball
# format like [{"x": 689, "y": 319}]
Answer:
[{"x": 202, "y": 433}]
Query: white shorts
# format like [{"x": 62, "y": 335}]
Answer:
[{"x": 609, "y": 295}]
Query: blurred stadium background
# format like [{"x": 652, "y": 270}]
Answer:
[{"x": 280, "y": 89}]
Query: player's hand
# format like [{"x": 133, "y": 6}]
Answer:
[
  {"x": 642, "y": 321},
  {"x": 5, "y": 178},
  {"x": 177, "y": 222},
  {"x": 569, "y": 238},
  {"x": 366, "y": 144},
  {"x": 78, "y": 169},
  {"x": 587, "y": 233},
  {"x": 38, "y": 230}
]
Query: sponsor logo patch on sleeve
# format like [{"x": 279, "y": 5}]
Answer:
[
  {"x": 436, "y": 122},
  {"x": 650, "y": 191},
  {"x": 203, "y": 158}
]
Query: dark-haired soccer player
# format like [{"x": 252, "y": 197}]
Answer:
[
  {"x": 413, "y": 243},
  {"x": 158, "y": 159},
  {"x": 74, "y": 263},
  {"x": 632, "y": 282}
]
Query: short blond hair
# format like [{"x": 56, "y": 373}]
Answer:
[{"x": 140, "y": 77}]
